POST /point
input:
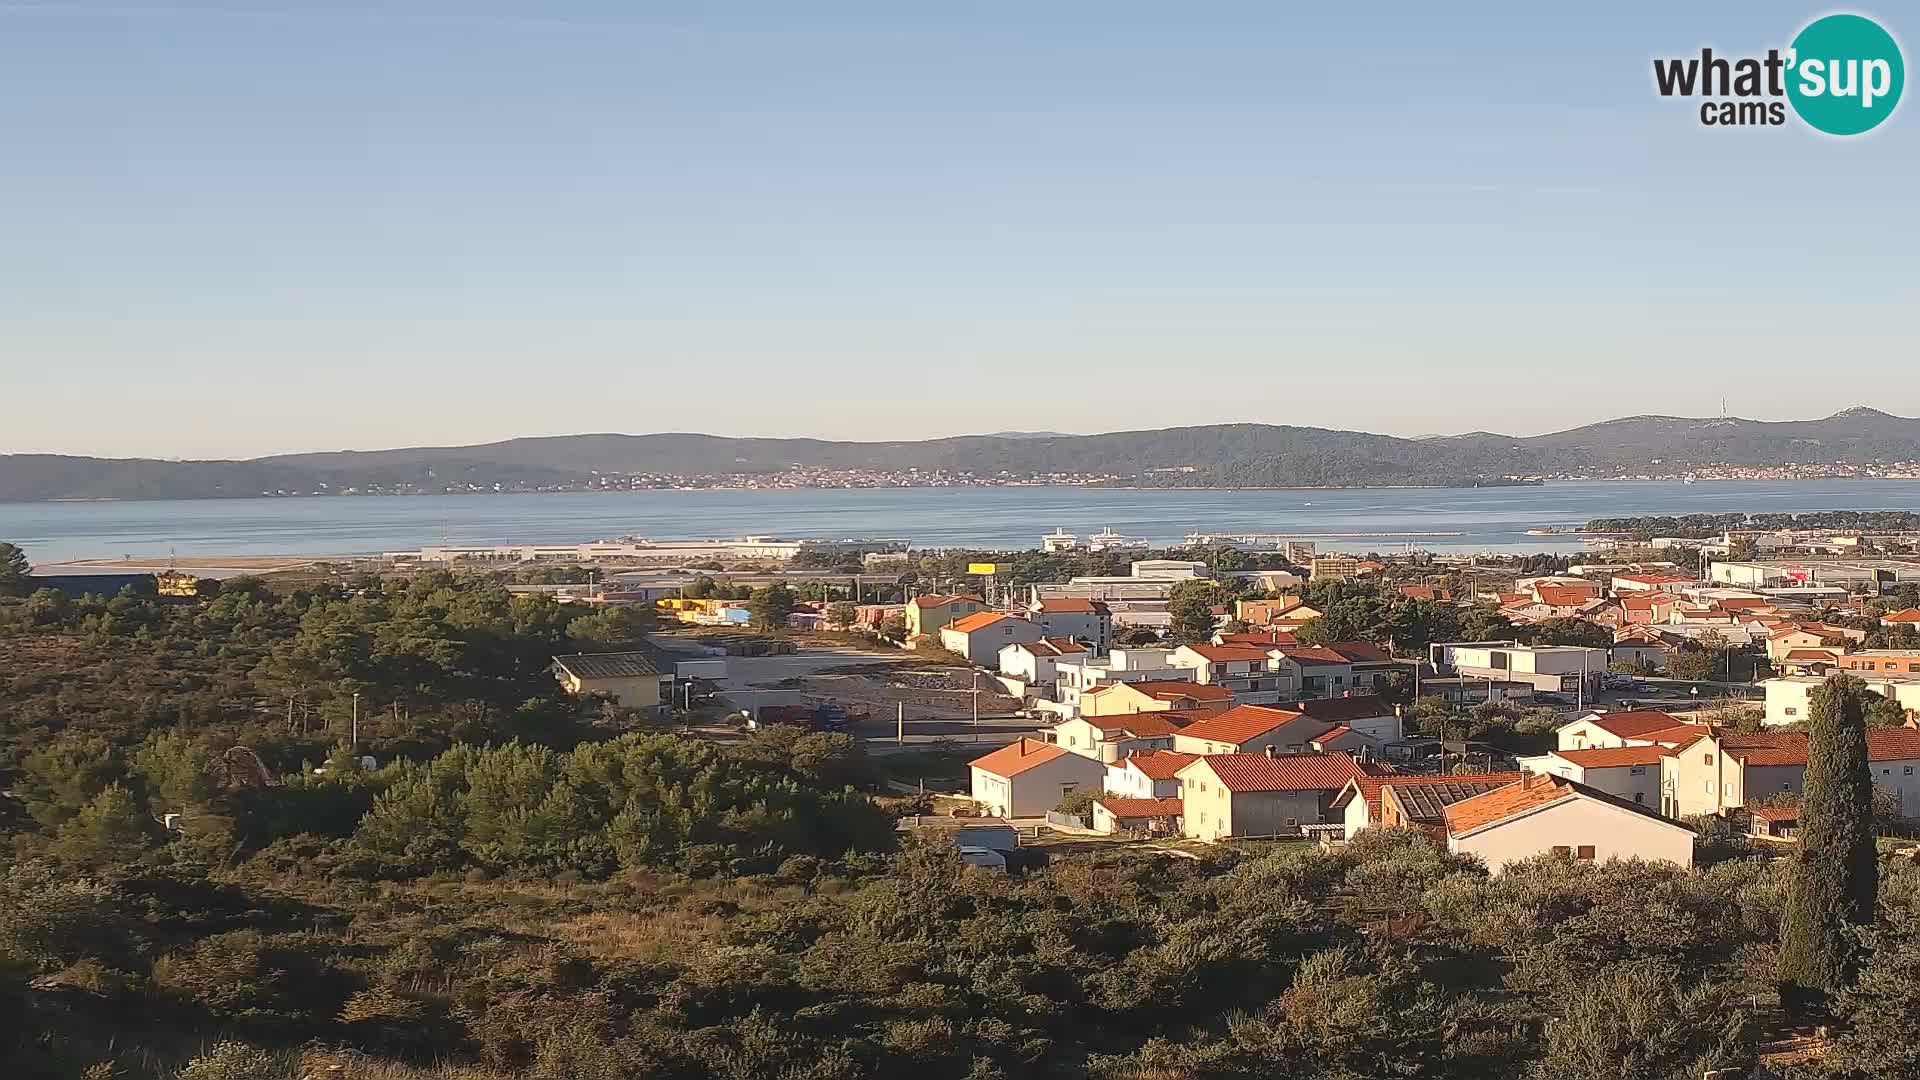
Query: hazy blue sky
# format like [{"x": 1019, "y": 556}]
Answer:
[{"x": 230, "y": 228}]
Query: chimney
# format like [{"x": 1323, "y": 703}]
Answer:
[{"x": 1271, "y": 751}]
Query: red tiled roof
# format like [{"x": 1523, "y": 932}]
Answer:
[
  {"x": 1775, "y": 814},
  {"x": 1156, "y": 764},
  {"x": 1053, "y": 646},
  {"x": 1141, "y": 725},
  {"x": 1535, "y": 791},
  {"x": 1361, "y": 652},
  {"x": 1333, "y": 733},
  {"x": 1168, "y": 689},
  {"x": 1814, "y": 655},
  {"x": 1239, "y": 724},
  {"x": 1281, "y": 772},
  {"x": 1368, "y": 787},
  {"x": 1068, "y": 606},
  {"x": 1633, "y": 725},
  {"x": 1141, "y": 808},
  {"x": 1786, "y": 748},
  {"x": 1614, "y": 756},
  {"x": 979, "y": 620},
  {"x": 1905, "y": 615},
  {"x": 1677, "y": 735},
  {"x": 1015, "y": 758},
  {"x": 1220, "y": 654},
  {"x": 1638, "y": 600},
  {"x": 1312, "y": 654},
  {"x": 1563, "y": 595}
]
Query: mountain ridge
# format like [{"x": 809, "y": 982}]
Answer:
[{"x": 1215, "y": 455}]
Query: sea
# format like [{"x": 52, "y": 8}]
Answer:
[
  {"x": 1005, "y": 518},
  {"x": 1356, "y": 519}
]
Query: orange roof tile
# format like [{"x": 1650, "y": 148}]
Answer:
[
  {"x": 1239, "y": 724},
  {"x": 1632, "y": 725},
  {"x": 1167, "y": 689},
  {"x": 1281, "y": 772},
  {"x": 1613, "y": 757},
  {"x": 1905, "y": 615},
  {"x": 1068, "y": 605},
  {"x": 1141, "y": 808},
  {"x": 979, "y": 620},
  {"x": 1017, "y": 757},
  {"x": 1312, "y": 654},
  {"x": 1156, "y": 764},
  {"x": 1220, "y": 654},
  {"x": 1053, "y": 646},
  {"x": 1141, "y": 725},
  {"x": 1361, "y": 652}
]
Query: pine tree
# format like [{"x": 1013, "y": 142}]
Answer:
[{"x": 1835, "y": 874}]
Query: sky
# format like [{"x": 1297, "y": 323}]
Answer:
[{"x": 231, "y": 228}]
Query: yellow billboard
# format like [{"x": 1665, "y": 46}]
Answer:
[{"x": 980, "y": 568}]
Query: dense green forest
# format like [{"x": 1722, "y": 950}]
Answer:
[{"x": 522, "y": 886}]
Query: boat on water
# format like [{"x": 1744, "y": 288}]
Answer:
[
  {"x": 1059, "y": 540},
  {"x": 1108, "y": 540}
]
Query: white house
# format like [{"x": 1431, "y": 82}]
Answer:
[
  {"x": 1628, "y": 772},
  {"x": 1110, "y": 738},
  {"x": 1036, "y": 662},
  {"x": 1551, "y": 814},
  {"x": 1120, "y": 665},
  {"x": 1367, "y": 803},
  {"x": 1147, "y": 774},
  {"x": 1028, "y": 778},
  {"x": 1596, "y": 730},
  {"x": 1089, "y": 622},
  {"x": 1790, "y": 697},
  {"x": 980, "y": 637}
]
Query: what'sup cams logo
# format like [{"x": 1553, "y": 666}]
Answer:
[{"x": 1842, "y": 75}]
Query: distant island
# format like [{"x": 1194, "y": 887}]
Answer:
[{"x": 1856, "y": 442}]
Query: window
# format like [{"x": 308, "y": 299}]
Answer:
[
  {"x": 1709, "y": 787},
  {"x": 1637, "y": 770},
  {"x": 1291, "y": 822},
  {"x": 1906, "y": 770},
  {"x": 1562, "y": 849},
  {"x": 1791, "y": 711},
  {"x": 1586, "y": 852},
  {"x": 1640, "y": 797},
  {"x": 1706, "y": 759}
]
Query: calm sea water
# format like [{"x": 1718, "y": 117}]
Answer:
[{"x": 1484, "y": 519}]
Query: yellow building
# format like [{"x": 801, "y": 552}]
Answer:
[
  {"x": 927, "y": 614},
  {"x": 628, "y": 678},
  {"x": 174, "y": 583}
]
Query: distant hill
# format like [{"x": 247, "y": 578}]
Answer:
[{"x": 1223, "y": 455}]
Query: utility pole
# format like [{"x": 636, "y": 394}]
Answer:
[
  {"x": 356, "y": 721},
  {"x": 976, "y": 705},
  {"x": 900, "y": 726}
]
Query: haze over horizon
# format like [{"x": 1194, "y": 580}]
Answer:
[{"x": 243, "y": 228}]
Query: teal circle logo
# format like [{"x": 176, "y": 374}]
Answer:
[{"x": 1844, "y": 74}]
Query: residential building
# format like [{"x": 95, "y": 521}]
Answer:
[
  {"x": 1367, "y": 714},
  {"x": 1119, "y": 699},
  {"x": 1565, "y": 669},
  {"x": 1036, "y": 662},
  {"x": 1628, "y": 772},
  {"x": 1324, "y": 671},
  {"x": 1882, "y": 662},
  {"x": 927, "y": 614},
  {"x": 1028, "y": 778},
  {"x": 1903, "y": 617},
  {"x": 1249, "y": 729},
  {"x": 1615, "y": 729},
  {"x": 1363, "y": 803},
  {"x": 1723, "y": 770},
  {"x": 1248, "y": 795},
  {"x": 1112, "y": 814},
  {"x": 632, "y": 679},
  {"x": 1089, "y": 622},
  {"x": 1110, "y": 738},
  {"x": 1253, "y": 673},
  {"x": 1120, "y": 665},
  {"x": 1790, "y": 697},
  {"x": 1668, "y": 583},
  {"x": 1147, "y": 774},
  {"x": 980, "y": 636},
  {"x": 1333, "y": 567},
  {"x": 1544, "y": 814}
]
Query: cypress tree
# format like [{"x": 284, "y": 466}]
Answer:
[{"x": 1835, "y": 873}]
